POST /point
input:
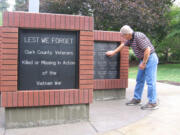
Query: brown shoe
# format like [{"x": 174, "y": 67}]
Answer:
[
  {"x": 150, "y": 106},
  {"x": 133, "y": 102}
]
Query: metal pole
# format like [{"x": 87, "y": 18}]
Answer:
[{"x": 34, "y": 6}]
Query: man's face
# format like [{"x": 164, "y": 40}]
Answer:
[{"x": 127, "y": 36}]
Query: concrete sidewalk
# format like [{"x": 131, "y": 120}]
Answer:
[
  {"x": 115, "y": 118},
  {"x": 164, "y": 121}
]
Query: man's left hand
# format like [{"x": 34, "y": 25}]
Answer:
[{"x": 142, "y": 66}]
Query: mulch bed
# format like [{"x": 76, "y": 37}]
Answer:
[{"x": 169, "y": 82}]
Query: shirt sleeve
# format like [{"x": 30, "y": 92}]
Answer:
[{"x": 143, "y": 42}]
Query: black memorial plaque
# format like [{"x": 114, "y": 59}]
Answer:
[
  {"x": 48, "y": 59},
  {"x": 106, "y": 67}
]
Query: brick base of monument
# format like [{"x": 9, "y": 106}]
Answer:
[
  {"x": 109, "y": 94},
  {"x": 43, "y": 116}
]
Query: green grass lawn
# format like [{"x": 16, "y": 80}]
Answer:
[{"x": 169, "y": 72}]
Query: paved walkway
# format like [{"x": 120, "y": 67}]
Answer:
[
  {"x": 164, "y": 121},
  {"x": 115, "y": 118}
]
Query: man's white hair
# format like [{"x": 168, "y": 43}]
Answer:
[{"x": 126, "y": 30}]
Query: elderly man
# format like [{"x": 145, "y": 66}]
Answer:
[{"x": 147, "y": 71}]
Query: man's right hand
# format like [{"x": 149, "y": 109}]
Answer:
[{"x": 110, "y": 53}]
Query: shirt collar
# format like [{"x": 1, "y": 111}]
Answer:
[{"x": 132, "y": 36}]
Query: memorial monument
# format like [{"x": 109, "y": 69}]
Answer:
[{"x": 51, "y": 64}]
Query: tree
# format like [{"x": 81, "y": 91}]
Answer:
[
  {"x": 170, "y": 45},
  {"x": 78, "y": 7},
  {"x": 3, "y": 5},
  {"x": 147, "y": 16},
  {"x": 21, "y": 5},
  {"x": 143, "y": 15}
]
